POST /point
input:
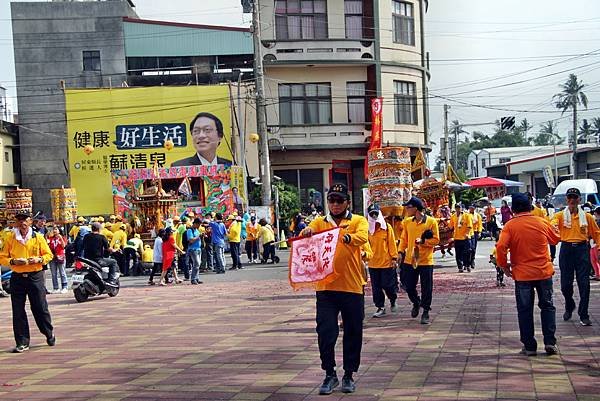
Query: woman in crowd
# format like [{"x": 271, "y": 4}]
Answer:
[
  {"x": 57, "y": 243},
  {"x": 506, "y": 212},
  {"x": 169, "y": 250}
]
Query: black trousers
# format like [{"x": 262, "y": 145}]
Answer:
[
  {"x": 236, "y": 251},
  {"x": 329, "y": 305},
  {"x": 463, "y": 253},
  {"x": 252, "y": 249},
  {"x": 30, "y": 286},
  {"x": 411, "y": 277},
  {"x": 130, "y": 256},
  {"x": 268, "y": 252},
  {"x": 574, "y": 262},
  {"x": 120, "y": 258},
  {"x": 473, "y": 249},
  {"x": 384, "y": 282}
]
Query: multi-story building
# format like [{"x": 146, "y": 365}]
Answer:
[
  {"x": 324, "y": 61},
  {"x": 10, "y": 173},
  {"x": 103, "y": 44}
]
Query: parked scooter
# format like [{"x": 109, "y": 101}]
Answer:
[
  {"x": 91, "y": 279},
  {"x": 5, "y": 281}
]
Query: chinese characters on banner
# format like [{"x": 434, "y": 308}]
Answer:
[
  {"x": 311, "y": 259},
  {"x": 128, "y": 128},
  {"x": 376, "y": 127}
]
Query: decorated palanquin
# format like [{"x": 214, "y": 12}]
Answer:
[
  {"x": 64, "y": 205},
  {"x": 435, "y": 195},
  {"x": 389, "y": 175},
  {"x": 201, "y": 189}
]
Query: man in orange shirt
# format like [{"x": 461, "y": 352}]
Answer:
[
  {"x": 419, "y": 237},
  {"x": 383, "y": 263},
  {"x": 527, "y": 237},
  {"x": 576, "y": 228},
  {"x": 462, "y": 224},
  {"x": 343, "y": 295}
]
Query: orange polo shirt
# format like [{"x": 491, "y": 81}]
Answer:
[
  {"x": 539, "y": 212},
  {"x": 383, "y": 244},
  {"x": 347, "y": 261},
  {"x": 414, "y": 229},
  {"x": 477, "y": 223},
  {"x": 462, "y": 231},
  {"x": 527, "y": 237},
  {"x": 576, "y": 233}
]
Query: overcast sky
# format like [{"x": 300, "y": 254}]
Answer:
[{"x": 485, "y": 54}]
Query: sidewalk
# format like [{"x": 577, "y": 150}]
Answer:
[{"x": 255, "y": 340}]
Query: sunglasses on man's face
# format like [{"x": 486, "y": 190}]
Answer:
[
  {"x": 374, "y": 214},
  {"x": 572, "y": 197},
  {"x": 339, "y": 201}
]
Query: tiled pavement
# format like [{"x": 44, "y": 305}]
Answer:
[{"x": 255, "y": 340}]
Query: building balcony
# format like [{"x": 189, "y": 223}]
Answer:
[
  {"x": 318, "y": 51},
  {"x": 318, "y": 136}
]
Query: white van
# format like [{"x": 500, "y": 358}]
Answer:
[{"x": 587, "y": 187}]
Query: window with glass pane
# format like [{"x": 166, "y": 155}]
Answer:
[
  {"x": 305, "y": 104},
  {"x": 91, "y": 60},
  {"x": 357, "y": 102},
  {"x": 301, "y": 19},
  {"x": 403, "y": 23},
  {"x": 405, "y": 103},
  {"x": 353, "y": 11}
]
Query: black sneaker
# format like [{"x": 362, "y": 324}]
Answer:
[
  {"x": 232, "y": 268},
  {"x": 19, "y": 349},
  {"x": 330, "y": 382},
  {"x": 585, "y": 322},
  {"x": 528, "y": 352},
  {"x": 51, "y": 341},
  {"x": 425, "y": 317},
  {"x": 551, "y": 349},
  {"x": 415, "y": 311},
  {"x": 568, "y": 313},
  {"x": 348, "y": 385}
]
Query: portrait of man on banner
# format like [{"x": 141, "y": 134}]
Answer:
[{"x": 207, "y": 134}]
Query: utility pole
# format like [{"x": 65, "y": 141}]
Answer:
[
  {"x": 446, "y": 142},
  {"x": 261, "y": 115},
  {"x": 574, "y": 158}
]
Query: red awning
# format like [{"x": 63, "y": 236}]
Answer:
[{"x": 484, "y": 182}]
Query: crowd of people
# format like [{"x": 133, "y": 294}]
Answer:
[{"x": 397, "y": 251}]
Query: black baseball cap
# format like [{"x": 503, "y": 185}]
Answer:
[
  {"x": 415, "y": 202},
  {"x": 340, "y": 190},
  {"x": 573, "y": 191},
  {"x": 22, "y": 216}
]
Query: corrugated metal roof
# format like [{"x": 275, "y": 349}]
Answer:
[{"x": 145, "y": 38}]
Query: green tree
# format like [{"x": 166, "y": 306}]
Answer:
[
  {"x": 585, "y": 132},
  {"x": 289, "y": 201},
  {"x": 570, "y": 98},
  {"x": 548, "y": 134}
]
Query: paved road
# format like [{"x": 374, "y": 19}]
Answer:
[{"x": 246, "y": 336}]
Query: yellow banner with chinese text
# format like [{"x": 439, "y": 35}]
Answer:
[{"x": 126, "y": 128}]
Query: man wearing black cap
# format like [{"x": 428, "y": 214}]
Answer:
[
  {"x": 343, "y": 295},
  {"x": 25, "y": 252},
  {"x": 576, "y": 227},
  {"x": 383, "y": 263},
  {"x": 527, "y": 237},
  {"x": 420, "y": 234}
]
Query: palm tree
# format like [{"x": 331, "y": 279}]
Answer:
[
  {"x": 596, "y": 127},
  {"x": 548, "y": 134},
  {"x": 570, "y": 98},
  {"x": 585, "y": 131}
]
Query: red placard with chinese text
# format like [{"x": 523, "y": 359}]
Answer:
[{"x": 311, "y": 259}]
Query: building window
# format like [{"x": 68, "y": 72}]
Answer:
[
  {"x": 503, "y": 160},
  {"x": 91, "y": 60},
  {"x": 301, "y": 19},
  {"x": 6, "y": 157},
  {"x": 358, "y": 102},
  {"x": 483, "y": 163},
  {"x": 353, "y": 10},
  {"x": 403, "y": 23},
  {"x": 472, "y": 166},
  {"x": 305, "y": 104},
  {"x": 405, "y": 103}
]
